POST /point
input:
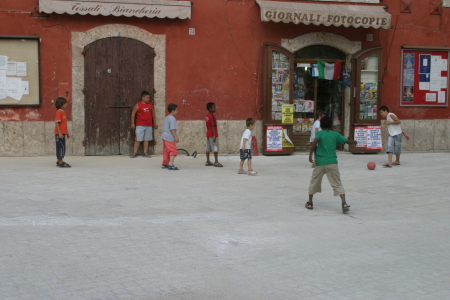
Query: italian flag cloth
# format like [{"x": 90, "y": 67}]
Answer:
[{"x": 329, "y": 71}]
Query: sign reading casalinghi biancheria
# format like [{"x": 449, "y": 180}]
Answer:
[{"x": 159, "y": 9}]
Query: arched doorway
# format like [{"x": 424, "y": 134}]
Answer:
[
  {"x": 116, "y": 70},
  {"x": 312, "y": 94}
]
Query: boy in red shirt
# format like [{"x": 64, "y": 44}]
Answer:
[
  {"x": 61, "y": 132},
  {"x": 144, "y": 114},
  {"x": 212, "y": 136}
]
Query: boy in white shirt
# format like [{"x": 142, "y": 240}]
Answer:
[
  {"x": 245, "y": 148},
  {"x": 316, "y": 128},
  {"x": 394, "y": 145}
]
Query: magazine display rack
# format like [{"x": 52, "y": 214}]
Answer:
[
  {"x": 278, "y": 76},
  {"x": 365, "y": 119}
]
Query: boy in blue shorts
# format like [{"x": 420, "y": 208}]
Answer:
[
  {"x": 326, "y": 162},
  {"x": 246, "y": 148},
  {"x": 396, "y": 133}
]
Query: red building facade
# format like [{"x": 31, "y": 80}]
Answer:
[{"x": 214, "y": 54}]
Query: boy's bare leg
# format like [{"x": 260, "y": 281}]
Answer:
[
  {"x": 145, "y": 147},
  {"x": 241, "y": 164},
  {"x": 216, "y": 157},
  {"x": 171, "y": 160},
  {"x": 390, "y": 158},
  {"x": 249, "y": 164},
  {"x": 136, "y": 147},
  {"x": 310, "y": 201},
  {"x": 397, "y": 159},
  {"x": 344, "y": 204},
  {"x": 207, "y": 157}
]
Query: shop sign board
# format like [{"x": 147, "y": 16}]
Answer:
[
  {"x": 128, "y": 8},
  {"x": 330, "y": 14}
]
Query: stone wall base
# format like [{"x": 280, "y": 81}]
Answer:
[{"x": 36, "y": 138}]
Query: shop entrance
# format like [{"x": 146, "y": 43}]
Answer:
[
  {"x": 312, "y": 94},
  {"x": 117, "y": 70}
]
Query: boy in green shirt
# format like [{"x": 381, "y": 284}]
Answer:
[{"x": 326, "y": 162}]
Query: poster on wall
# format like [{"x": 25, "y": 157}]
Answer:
[
  {"x": 368, "y": 137},
  {"x": 374, "y": 138},
  {"x": 274, "y": 138},
  {"x": 287, "y": 113},
  {"x": 424, "y": 78},
  {"x": 361, "y": 136}
]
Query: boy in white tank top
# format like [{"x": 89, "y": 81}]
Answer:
[{"x": 394, "y": 145}]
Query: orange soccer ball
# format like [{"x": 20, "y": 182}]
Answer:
[{"x": 371, "y": 165}]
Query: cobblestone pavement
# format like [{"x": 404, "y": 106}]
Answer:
[{"x": 121, "y": 228}]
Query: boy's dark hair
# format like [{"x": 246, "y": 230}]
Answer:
[
  {"x": 326, "y": 123},
  {"x": 145, "y": 93},
  {"x": 320, "y": 113},
  {"x": 60, "y": 101},
  {"x": 210, "y": 105},
  {"x": 171, "y": 107},
  {"x": 384, "y": 108},
  {"x": 250, "y": 121}
]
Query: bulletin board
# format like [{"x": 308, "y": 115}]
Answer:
[
  {"x": 424, "y": 77},
  {"x": 19, "y": 71}
]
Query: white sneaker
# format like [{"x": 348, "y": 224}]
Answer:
[
  {"x": 252, "y": 172},
  {"x": 241, "y": 172}
]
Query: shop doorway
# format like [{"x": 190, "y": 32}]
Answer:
[
  {"x": 312, "y": 94},
  {"x": 117, "y": 70}
]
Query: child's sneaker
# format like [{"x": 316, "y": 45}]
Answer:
[
  {"x": 252, "y": 172},
  {"x": 146, "y": 155},
  {"x": 241, "y": 172},
  {"x": 165, "y": 167},
  {"x": 172, "y": 168}
]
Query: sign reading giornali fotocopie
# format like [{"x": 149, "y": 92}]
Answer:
[{"x": 325, "y": 14}]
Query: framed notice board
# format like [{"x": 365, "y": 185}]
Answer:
[
  {"x": 424, "y": 77},
  {"x": 19, "y": 71}
]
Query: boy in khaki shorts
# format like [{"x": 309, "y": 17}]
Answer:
[{"x": 326, "y": 162}]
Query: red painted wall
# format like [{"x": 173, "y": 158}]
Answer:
[{"x": 222, "y": 62}]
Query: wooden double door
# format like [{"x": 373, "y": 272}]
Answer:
[{"x": 117, "y": 70}]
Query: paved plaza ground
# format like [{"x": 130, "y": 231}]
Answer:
[{"x": 120, "y": 228}]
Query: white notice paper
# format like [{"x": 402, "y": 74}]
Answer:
[
  {"x": 435, "y": 82},
  {"x": 424, "y": 86},
  {"x": 443, "y": 82},
  {"x": 430, "y": 97},
  {"x": 444, "y": 64},
  {"x": 25, "y": 87},
  {"x": 21, "y": 69},
  {"x": 3, "y": 62},
  {"x": 3, "y": 91},
  {"x": 441, "y": 97},
  {"x": 14, "y": 86},
  {"x": 11, "y": 70}
]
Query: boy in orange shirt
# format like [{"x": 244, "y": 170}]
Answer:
[{"x": 61, "y": 132}]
